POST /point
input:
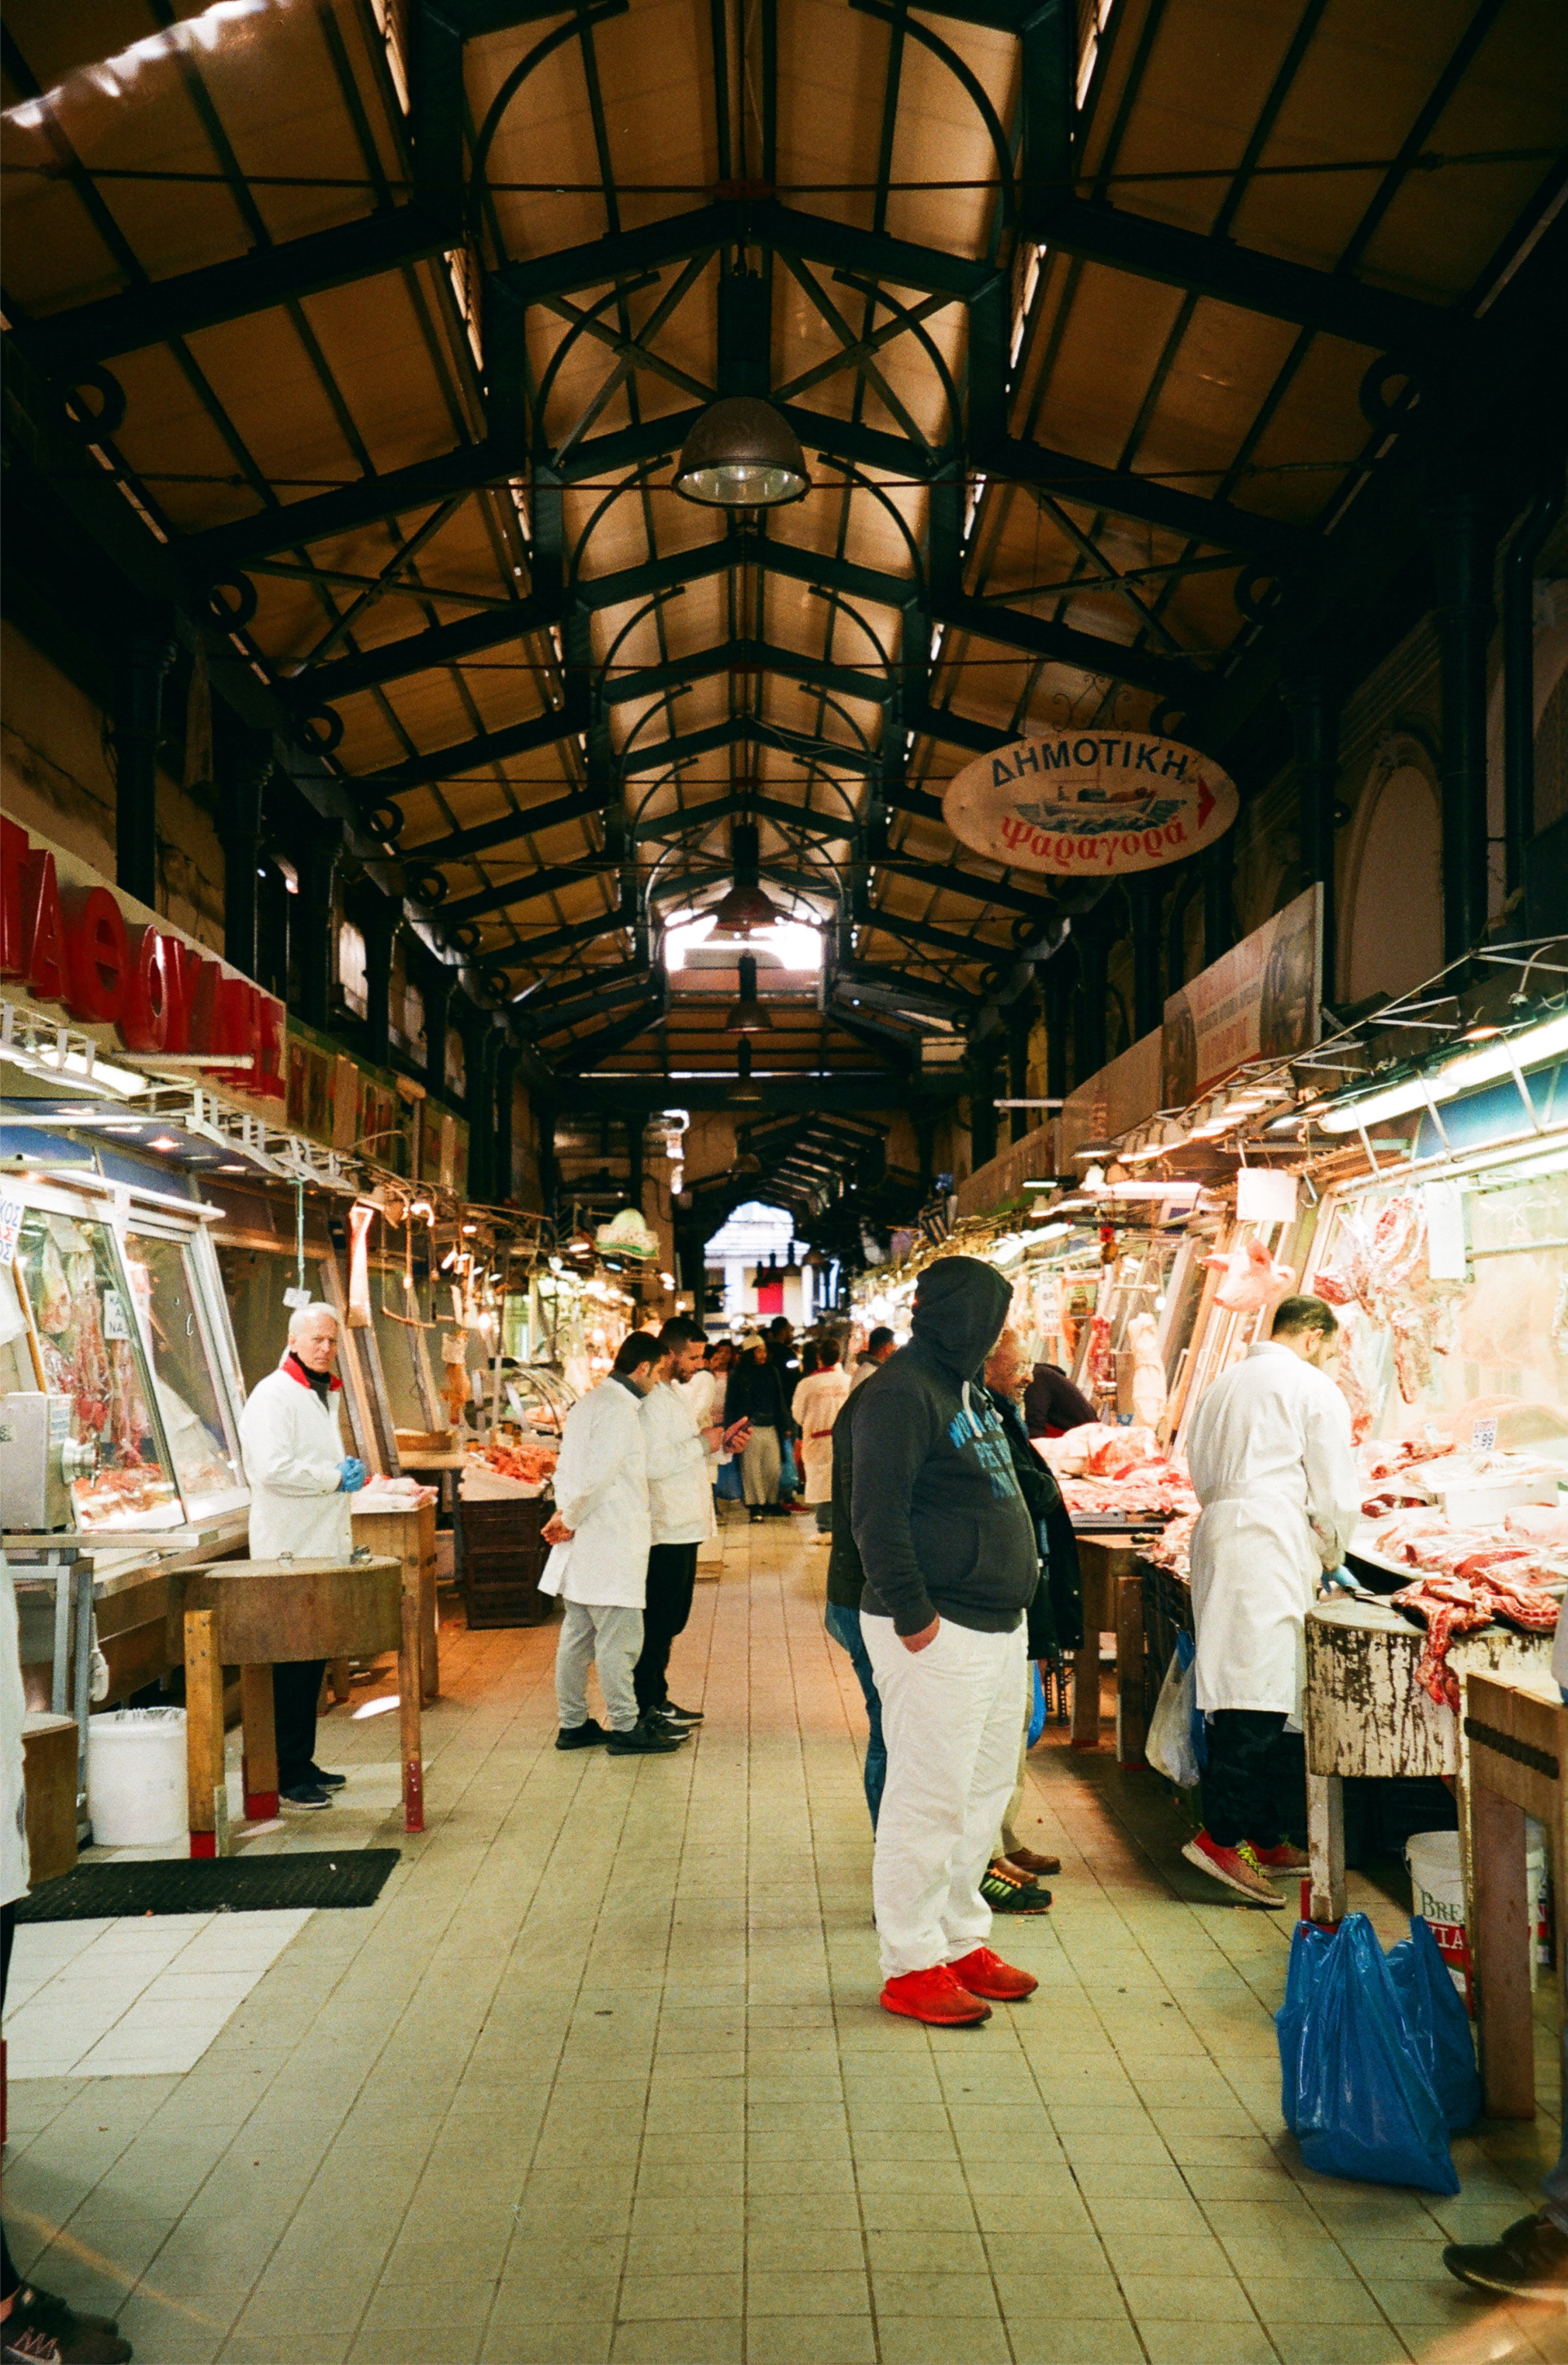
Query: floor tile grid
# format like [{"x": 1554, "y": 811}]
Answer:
[{"x": 831, "y": 1762}]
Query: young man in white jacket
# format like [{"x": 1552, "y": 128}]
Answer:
[
  {"x": 300, "y": 1481},
  {"x": 680, "y": 1461},
  {"x": 1272, "y": 1466},
  {"x": 600, "y": 1533}
]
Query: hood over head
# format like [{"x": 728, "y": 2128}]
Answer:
[{"x": 960, "y": 1311}]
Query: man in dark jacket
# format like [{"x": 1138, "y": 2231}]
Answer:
[
  {"x": 950, "y": 1561},
  {"x": 1052, "y": 1405}
]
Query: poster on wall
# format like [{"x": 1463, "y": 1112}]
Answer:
[
  {"x": 1090, "y": 807},
  {"x": 1260, "y": 1001}
]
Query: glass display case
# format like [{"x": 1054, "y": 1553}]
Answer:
[
  {"x": 194, "y": 1394},
  {"x": 1481, "y": 1360},
  {"x": 73, "y": 1331}
]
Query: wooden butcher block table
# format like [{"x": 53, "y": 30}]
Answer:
[
  {"x": 254, "y": 1614},
  {"x": 1365, "y": 1714},
  {"x": 1112, "y": 1577}
]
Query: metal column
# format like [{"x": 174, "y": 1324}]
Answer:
[
  {"x": 137, "y": 728},
  {"x": 1463, "y": 540}
]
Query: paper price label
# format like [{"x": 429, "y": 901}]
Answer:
[
  {"x": 114, "y": 1324},
  {"x": 453, "y": 1348},
  {"x": 11, "y": 1213},
  {"x": 1484, "y": 1436},
  {"x": 294, "y": 1298}
]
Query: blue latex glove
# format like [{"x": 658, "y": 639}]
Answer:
[{"x": 353, "y": 1474}]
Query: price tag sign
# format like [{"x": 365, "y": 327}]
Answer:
[
  {"x": 294, "y": 1298},
  {"x": 454, "y": 1346},
  {"x": 114, "y": 1325},
  {"x": 1484, "y": 1436},
  {"x": 11, "y": 1214}
]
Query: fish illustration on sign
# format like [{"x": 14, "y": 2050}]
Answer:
[{"x": 1077, "y": 806}]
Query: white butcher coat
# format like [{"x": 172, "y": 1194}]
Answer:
[
  {"x": 813, "y": 1409},
  {"x": 601, "y": 1493},
  {"x": 680, "y": 1468},
  {"x": 1271, "y": 1464},
  {"x": 294, "y": 1452}
]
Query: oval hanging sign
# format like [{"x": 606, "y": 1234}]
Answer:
[{"x": 1085, "y": 806}]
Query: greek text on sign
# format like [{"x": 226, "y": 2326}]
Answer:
[{"x": 1081, "y": 804}]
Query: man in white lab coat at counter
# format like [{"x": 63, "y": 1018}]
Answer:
[
  {"x": 1271, "y": 1464},
  {"x": 601, "y": 1533},
  {"x": 681, "y": 1459},
  {"x": 300, "y": 1480}
]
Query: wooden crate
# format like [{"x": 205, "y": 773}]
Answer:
[{"x": 500, "y": 1555}]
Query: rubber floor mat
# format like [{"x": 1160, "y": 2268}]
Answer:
[{"x": 234, "y": 1884}]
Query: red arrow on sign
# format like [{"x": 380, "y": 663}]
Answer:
[{"x": 1206, "y": 800}]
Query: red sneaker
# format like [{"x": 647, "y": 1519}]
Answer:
[
  {"x": 1237, "y": 1868},
  {"x": 985, "y": 1974},
  {"x": 935, "y": 1997},
  {"x": 1282, "y": 1858}
]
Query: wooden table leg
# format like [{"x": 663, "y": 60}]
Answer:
[
  {"x": 260, "y": 1729},
  {"x": 338, "y": 1682},
  {"x": 410, "y": 1683},
  {"x": 206, "y": 1789},
  {"x": 429, "y": 1635},
  {"x": 1325, "y": 1842},
  {"x": 1501, "y": 1937},
  {"x": 1131, "y": 1726},
  {"x": 1086, "y": 1665}
]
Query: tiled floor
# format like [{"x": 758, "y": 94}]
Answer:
[
  {"x": 602, "y": 2080},
  {"x": 133, "y": 1998}
]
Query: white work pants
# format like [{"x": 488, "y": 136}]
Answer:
[
  {"x": 612, "y": 1638},
  {"x": 950, "y": 1719}
]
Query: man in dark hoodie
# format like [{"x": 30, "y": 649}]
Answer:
[{"x": 947, "y": 1552}]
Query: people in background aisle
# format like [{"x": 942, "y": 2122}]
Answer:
[
  {"x": 813, "y": 1409},
  {"x": 1052, "y": 1405},
  {"x": 600, "y": 1535},
  {"x": 34, "y": 2324},
  {"x": 1270, "y": 1452},
  {"x": 755, "y": 1393},
  {"x": 781, "y": 1349},
  {"x": 845, "y": 1584},
  {"x": 680, "y": 1459},
  {"x": 781, "y": 1354},
  {"x": 811, "y": 1358},
  {"x": 879, "y": 1347},
  {"x": 950, "y": 1563},
  {"x": 300, "y": 1481},
  {"x": 1055, "y": 1624}
]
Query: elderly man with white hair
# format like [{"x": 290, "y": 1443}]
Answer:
[{"x": 300, "y": 1481}]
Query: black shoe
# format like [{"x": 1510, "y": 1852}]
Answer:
[
  {"x": 303, "y": 1795},
  {"x": 679, "y": 1715},
  {"x": 644, "y": 1740},
  {"x": 1007, "y": 1892},
  {"x": 44, "y": 2328},
  {"x": 658, "y": 1721},
  {"x": 1529, "y": 2262},
  {"x": 755, "y": 1513},
  {"x": 586, "y": 1735},
  {"x": 325, "y": 1781}
]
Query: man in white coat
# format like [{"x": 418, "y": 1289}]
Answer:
[
  {"x": 681, "y": 1458},
  {"x": 1271, "y": 1462},
  {"x": 300, "y": 1481},
  {"x": 600, "y": 1532}
]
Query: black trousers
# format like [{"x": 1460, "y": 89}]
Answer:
[
  {"x": 672, "y": 1574},
  {"x": 1255, "y": 1786},
  {"x": 297, "y": 1687}
]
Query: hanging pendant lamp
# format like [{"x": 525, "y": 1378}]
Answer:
[
  {"x": 746, "y": 907},
  {"x": 747, "y": 1015},
  {"x": 742, "y": 1089},
  {"x": 742, "y": 455}
]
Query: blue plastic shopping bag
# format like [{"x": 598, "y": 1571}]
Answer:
[
  {"x": 727, "y": 1483},
  {"x": 788, "y": 1476},
  {"x": 1036, "y": 1706},
  {"x": 1355, "y": 2092},
  {"x": 1439, "y": 2024}
]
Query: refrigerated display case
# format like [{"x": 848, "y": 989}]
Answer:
[{"x": 176, "y": 1289}]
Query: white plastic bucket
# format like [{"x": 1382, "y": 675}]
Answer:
[
  {"x": 1438, "y": 1893},
  {"x": 136, "y": 1777}
]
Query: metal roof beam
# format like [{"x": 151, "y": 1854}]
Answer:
[
  {"x": 1038, "y": 636},
  {"x": 440, "y": 645},
  {"x": 520, "y": 890},
  {"x": 979, "y": 891},
  {"x": 594, "y": 1048},
  {"x": 681, "y": 825},
  {"x": 742, "y": 728},
  {"x": 212, "y": 556},
  {"x": 1228, "y": 274},
  {"x": 471, "y": 754},
  {"x": 1219, "y": 524},
  {"x": 554, "y": 940},
  {"x": 462, "y": 844},
  {"x": 749, "y": 656},
  {"x": 921, "y": 932}
]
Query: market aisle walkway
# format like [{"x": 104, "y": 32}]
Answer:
[{"x": 603, "y": 2078}]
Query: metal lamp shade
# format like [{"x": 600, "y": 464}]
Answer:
[
  {"x": 742, "y": 455},
  {"x": 744, "y": 909}
]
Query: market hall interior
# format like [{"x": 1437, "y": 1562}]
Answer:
[
  {"x": 664, "y": 660},
  {"x": 602, "y": 2076}
]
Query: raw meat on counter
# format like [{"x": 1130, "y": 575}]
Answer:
[
  {"x": 1097, "y": 1450},
  {"x": 526, "y": 1460},
  {"x": 393, "y": 1495},
  {"x": 1120, "y": 1473},
  {"x": 1452, "y": 1605},
  {"x": 1252, "y": 1279}
]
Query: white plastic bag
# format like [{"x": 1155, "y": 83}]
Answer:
[{"x": 1170, "y": 1745}]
